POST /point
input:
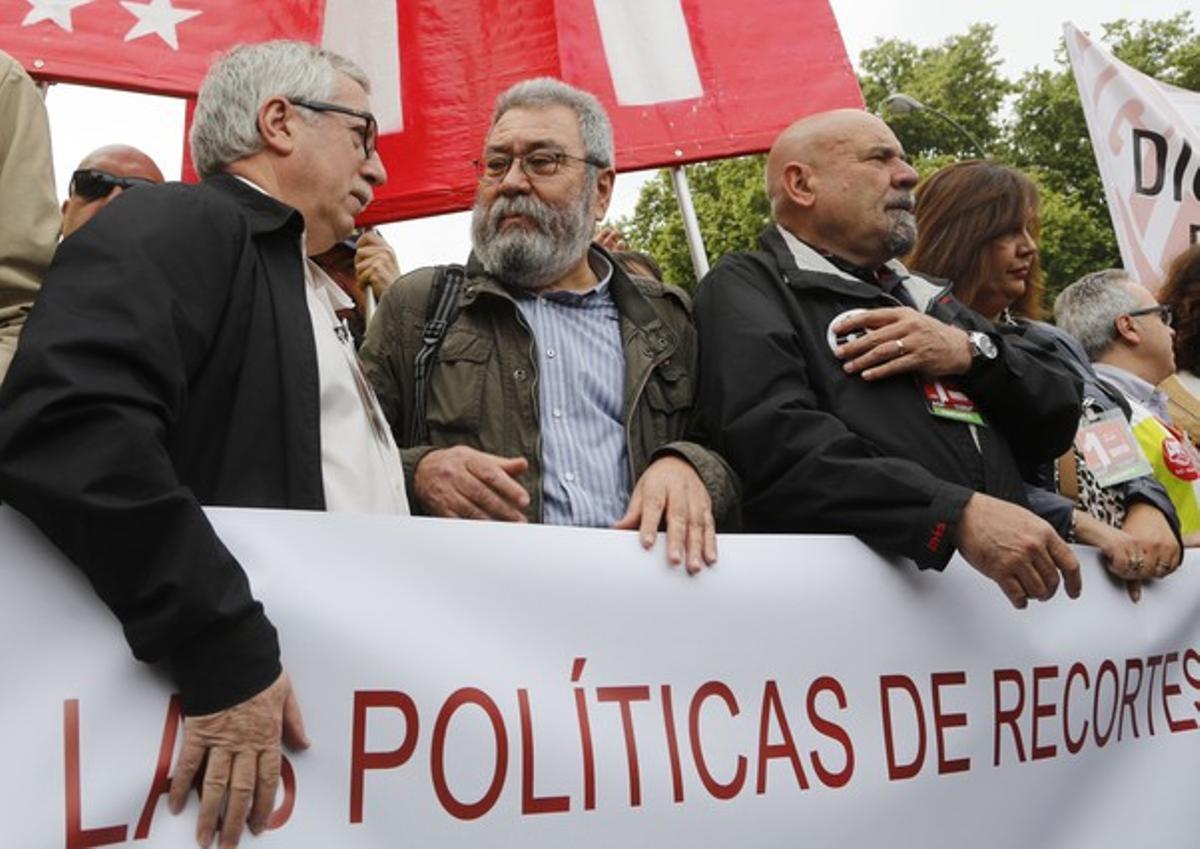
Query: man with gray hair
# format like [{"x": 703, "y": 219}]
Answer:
[
  {"x": 1127, "y": 335},
  {"x": 185, "y": 352},
  {"x": 562, "y": 388}
]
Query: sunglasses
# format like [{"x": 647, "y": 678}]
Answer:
[{"x": 91, "y": 184}]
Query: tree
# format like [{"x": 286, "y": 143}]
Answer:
[
  {"x": 730, "y": 205},
  {"x": 960, "y": 76},
  {"x": 1036, "y": 124}
]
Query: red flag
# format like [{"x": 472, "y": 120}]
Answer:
[
  {"x": 683, "y": 80},
  {"x": 158, "y": 46}
]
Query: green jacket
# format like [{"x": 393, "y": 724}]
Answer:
[{"x": 483, "y": 386}]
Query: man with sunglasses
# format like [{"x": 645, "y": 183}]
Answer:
[
  {"x": 186, "y": 352},
  {"x": 1127, "y": 335},
  {"x": 100, "y": 178},
  {"x": 562, "y": 391}
]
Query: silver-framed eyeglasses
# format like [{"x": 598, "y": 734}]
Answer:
[
  {"x": 1163, "y": 311},
  {"x": 537, "y": 164},
  {"x": 368, "y": 132}
]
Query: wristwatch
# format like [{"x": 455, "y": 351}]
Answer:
[{"x": 982, "y": 346}]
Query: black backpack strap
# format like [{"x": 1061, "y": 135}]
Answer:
[{"x": 440, "y": 311}]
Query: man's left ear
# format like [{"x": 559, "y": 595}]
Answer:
[
  {"x": 604, "y": 190},
  {"x": 1127, "y": 330},
  {"x": 274, "y": 126}
]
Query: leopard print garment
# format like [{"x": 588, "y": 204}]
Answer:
[{"x": 1106, "y": 503}]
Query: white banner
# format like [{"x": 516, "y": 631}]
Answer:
[
  {"x": 470, "y": 684},
  {"x": 1146, "y": 136}
]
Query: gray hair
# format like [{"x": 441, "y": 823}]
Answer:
[
  {"x": 1088, "y": 309},
  {"x": 225, "y": 125},
  {"x": 540, "y": 92}
]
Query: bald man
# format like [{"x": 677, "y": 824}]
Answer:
[
  {"x": 102, "y": 176},
  {"x": 891, "y": 411}
]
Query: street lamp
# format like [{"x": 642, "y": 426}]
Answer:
[{"x": 903, "y": 104}]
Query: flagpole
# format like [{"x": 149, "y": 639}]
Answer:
[{"x": 691, "y": 226}]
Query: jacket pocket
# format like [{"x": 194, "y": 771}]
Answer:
[
  {"x": 669, "y": 389},
  {"x": 457, "y": 384}
]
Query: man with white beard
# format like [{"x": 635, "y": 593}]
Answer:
[{"x": 559, "y": 389}]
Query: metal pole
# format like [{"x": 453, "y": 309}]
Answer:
[
  {"x": 974, "y": 141},
  {"x": 691, "y": 226}
]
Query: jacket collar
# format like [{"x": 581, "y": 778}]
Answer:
[
  {"x": 631, "y": 303},
  {"x": 265, "y": 213},
  {"x": 804, "y": 268}
]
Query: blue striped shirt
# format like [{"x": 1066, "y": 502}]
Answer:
[{"x": 581, "y": 385}]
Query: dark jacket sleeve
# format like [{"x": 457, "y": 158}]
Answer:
[
  {"x": 1054, "y": 508},
  {"x": 130, "y": 305},
  {"x": 801, "y": 468},
  {"x": 1030, "y": 393}
]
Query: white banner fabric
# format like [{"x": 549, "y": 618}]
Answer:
[
  {"x": 478, "y": 684},
  {"x": 1146, "y": 136}
]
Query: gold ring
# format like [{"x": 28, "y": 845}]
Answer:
[
  {"x": 900, "y": 346},
  {"x": 1136, "y": 563}
]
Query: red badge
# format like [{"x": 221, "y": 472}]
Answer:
[{"x": 1179, "y": 460}]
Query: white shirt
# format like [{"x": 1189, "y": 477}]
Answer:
[{"x": 360, "y": 465}]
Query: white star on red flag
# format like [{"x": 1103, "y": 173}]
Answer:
[
  {"x": 58, "y": 11},
  {"x": 158, "y": 17}
]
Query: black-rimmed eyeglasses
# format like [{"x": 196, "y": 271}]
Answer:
[
  {"x": 368, "y": 132},
  {"x": 536, "y": 164},
  {"x": 91, "y": 184},
  {"x": 1163, "y": 311}
]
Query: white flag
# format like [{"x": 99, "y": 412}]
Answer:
[{"x": 1146, "y": 135}]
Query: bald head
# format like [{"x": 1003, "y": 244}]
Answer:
[
  {"x": 839, "y": 181},
  {"x": 811, "y": 140},
  {"x": 117, "y": 160}
]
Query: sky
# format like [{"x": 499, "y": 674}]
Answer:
[{"x": 1027, "y": 33}]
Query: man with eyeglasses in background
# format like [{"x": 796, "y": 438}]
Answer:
[
  {"x": 1127, "y": 335},
  {"x": 562, "y": 388},
  {"x": 100, "y": 178},
  {"x": 185, "y": 351}
]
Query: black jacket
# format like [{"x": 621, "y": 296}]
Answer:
[
  {"x": 168, "y": 363},
  {"x": 818, "y": 450}
]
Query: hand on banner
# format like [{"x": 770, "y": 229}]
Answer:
[
  {"x": 239, "y": 750},
  {"x": 1117, "y": 550},
  {"x": 375, "y": 263},
  {"x": 1016, "y": 549},
  {"x": 671, "y": 491},
  {"x": 1161, "y": 554},
  {"x": 463, "y": 483},
  {"x": 900, "y": 340}
]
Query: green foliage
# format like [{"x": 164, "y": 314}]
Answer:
[
  {"x": 730, "y": 205},
  {"x": 1036, "y": 124},
  {"x": 1074, "y": 241},
  {"x": 960, "y": 77}
]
